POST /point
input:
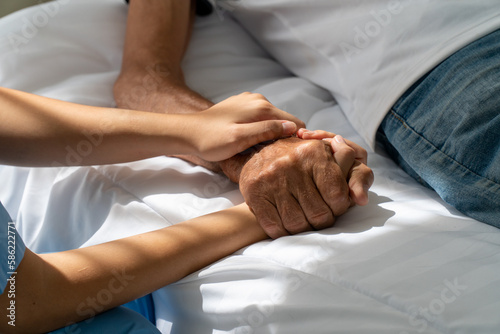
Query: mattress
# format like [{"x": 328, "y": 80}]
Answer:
[{"x": 405, "y": 263}]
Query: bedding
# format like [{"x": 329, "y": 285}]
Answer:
[
  {"x": 358, "y": 51},
  {"x": 405, "y": 263}
]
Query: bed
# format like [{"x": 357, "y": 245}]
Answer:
[{"x": 405, "y": 263}]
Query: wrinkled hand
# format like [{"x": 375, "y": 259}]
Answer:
[
  {"x": 238, "y": 123},
  {"x": 360, "y": 177},
  {"x": 295, "y": 185}
]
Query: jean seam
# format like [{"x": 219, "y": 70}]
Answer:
[{"x": 437, "y": 149}]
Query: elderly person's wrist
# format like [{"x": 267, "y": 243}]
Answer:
[
  {"x": 136, "y": 84},
  {"x": 233, "y": 166},
  {"x": 155, "y": 89}
]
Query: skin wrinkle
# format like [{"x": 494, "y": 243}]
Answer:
[
  {"x": 337, "y": 196},
  {"x": 302, "y": 208},
  {"x": 157, "y": 69},
  {"x": 318, "y": 214}
]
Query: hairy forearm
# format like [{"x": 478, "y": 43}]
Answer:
[
  {"x": 157, "y": 32},
  {"x": 126, "y": 268},
  {"x": 151, "y": 76}
]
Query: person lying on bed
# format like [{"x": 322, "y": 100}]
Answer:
[
  {"x": 43, "y": 292},
  {"x": 423, "y": 84},
  {"x": 290, "y": 184}
]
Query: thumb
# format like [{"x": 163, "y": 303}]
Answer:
[
  {"x": 289, "y": 128},
  {"x": 272, "y": 129},
  {"x": 262, "y": 131}
]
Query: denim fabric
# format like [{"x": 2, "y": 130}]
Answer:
[{"x": 445, "y": 130}]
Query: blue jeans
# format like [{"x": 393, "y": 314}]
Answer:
[{"x": 445, "y": 130}]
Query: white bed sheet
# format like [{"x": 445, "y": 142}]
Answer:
[{"x": 405, "y": 263}]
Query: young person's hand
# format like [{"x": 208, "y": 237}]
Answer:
[{"x": 238, "y": 123}]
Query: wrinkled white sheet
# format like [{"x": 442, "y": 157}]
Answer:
[{"x": 405, "y": 263}]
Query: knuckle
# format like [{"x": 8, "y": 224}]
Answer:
[
  {"x": 252, "y": 189},
  {"x": 258, "y": 96},
  {"x": 246, "y": 94},
  {"x": 365, "y": 172},
  {"x": 348, "y": 152},
  {"x": 321, "y": 219},
  {"x": 263, "y": 105},
  {"x": 266, "y": 223},
  {"x": 232, "y": 134},
  {"x": 296, "y": 225},
  {"x": 340, "y": 200},
  {"x": 280, "y": 166},
  {"x": 363, "y": 152},
  {"x": 258, "y": 188},
  {"x": 271, "y": 228},
  {"x": 309, "y": 148}
]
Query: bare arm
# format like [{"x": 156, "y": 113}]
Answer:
[
  {"x": 151, "y": 79},
  {"x": 52, "y": 290},
  {"x": 151, "y": 76},
  {"x": 38, "y": 131}
]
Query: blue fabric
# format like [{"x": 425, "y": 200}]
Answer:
[
  {"x": 144, "y": 306},
  {"x": 445, "y": 130},
  {"x": 119, "y": 320},
  {"x": 11, "y": 248}
]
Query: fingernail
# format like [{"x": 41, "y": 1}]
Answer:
[
  {"x": 289, "y": 127},
  {"x": 339, "y": 139}
]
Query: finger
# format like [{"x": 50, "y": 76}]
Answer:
[
  {"x": 360, "y": 181},
  {"x": 268, "y": 217},
  {"x": 292, "y": 216},
  {"x": 333, "y": 187},
  {"x": 254, "y": 133},
  {"x": 316, "y": 211},
  {"x": 316, "y": 134},
  {"x": 344, "y": 154},
  {"x": 361, "y": 154},
  {"x": 261, "y": 109},
  {"x": 281, "y": 114}
]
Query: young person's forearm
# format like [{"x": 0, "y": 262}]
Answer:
[
  {"x": 126, "y": 269},
  {"x": 38, "y": 131}
]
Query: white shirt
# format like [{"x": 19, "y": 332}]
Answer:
[{"x": 367, "y": 53}]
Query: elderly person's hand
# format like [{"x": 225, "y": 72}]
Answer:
[
  {"x": 295, "y": 185},
  {"x": 292, "y": 185},
  {"x": 361, "y": 177}
]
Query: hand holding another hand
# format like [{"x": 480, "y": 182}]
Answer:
[
  {"x": 295, "y": 185},
  {"x": 238, "y": 123},
  {"x": 360, "y": 176}
]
